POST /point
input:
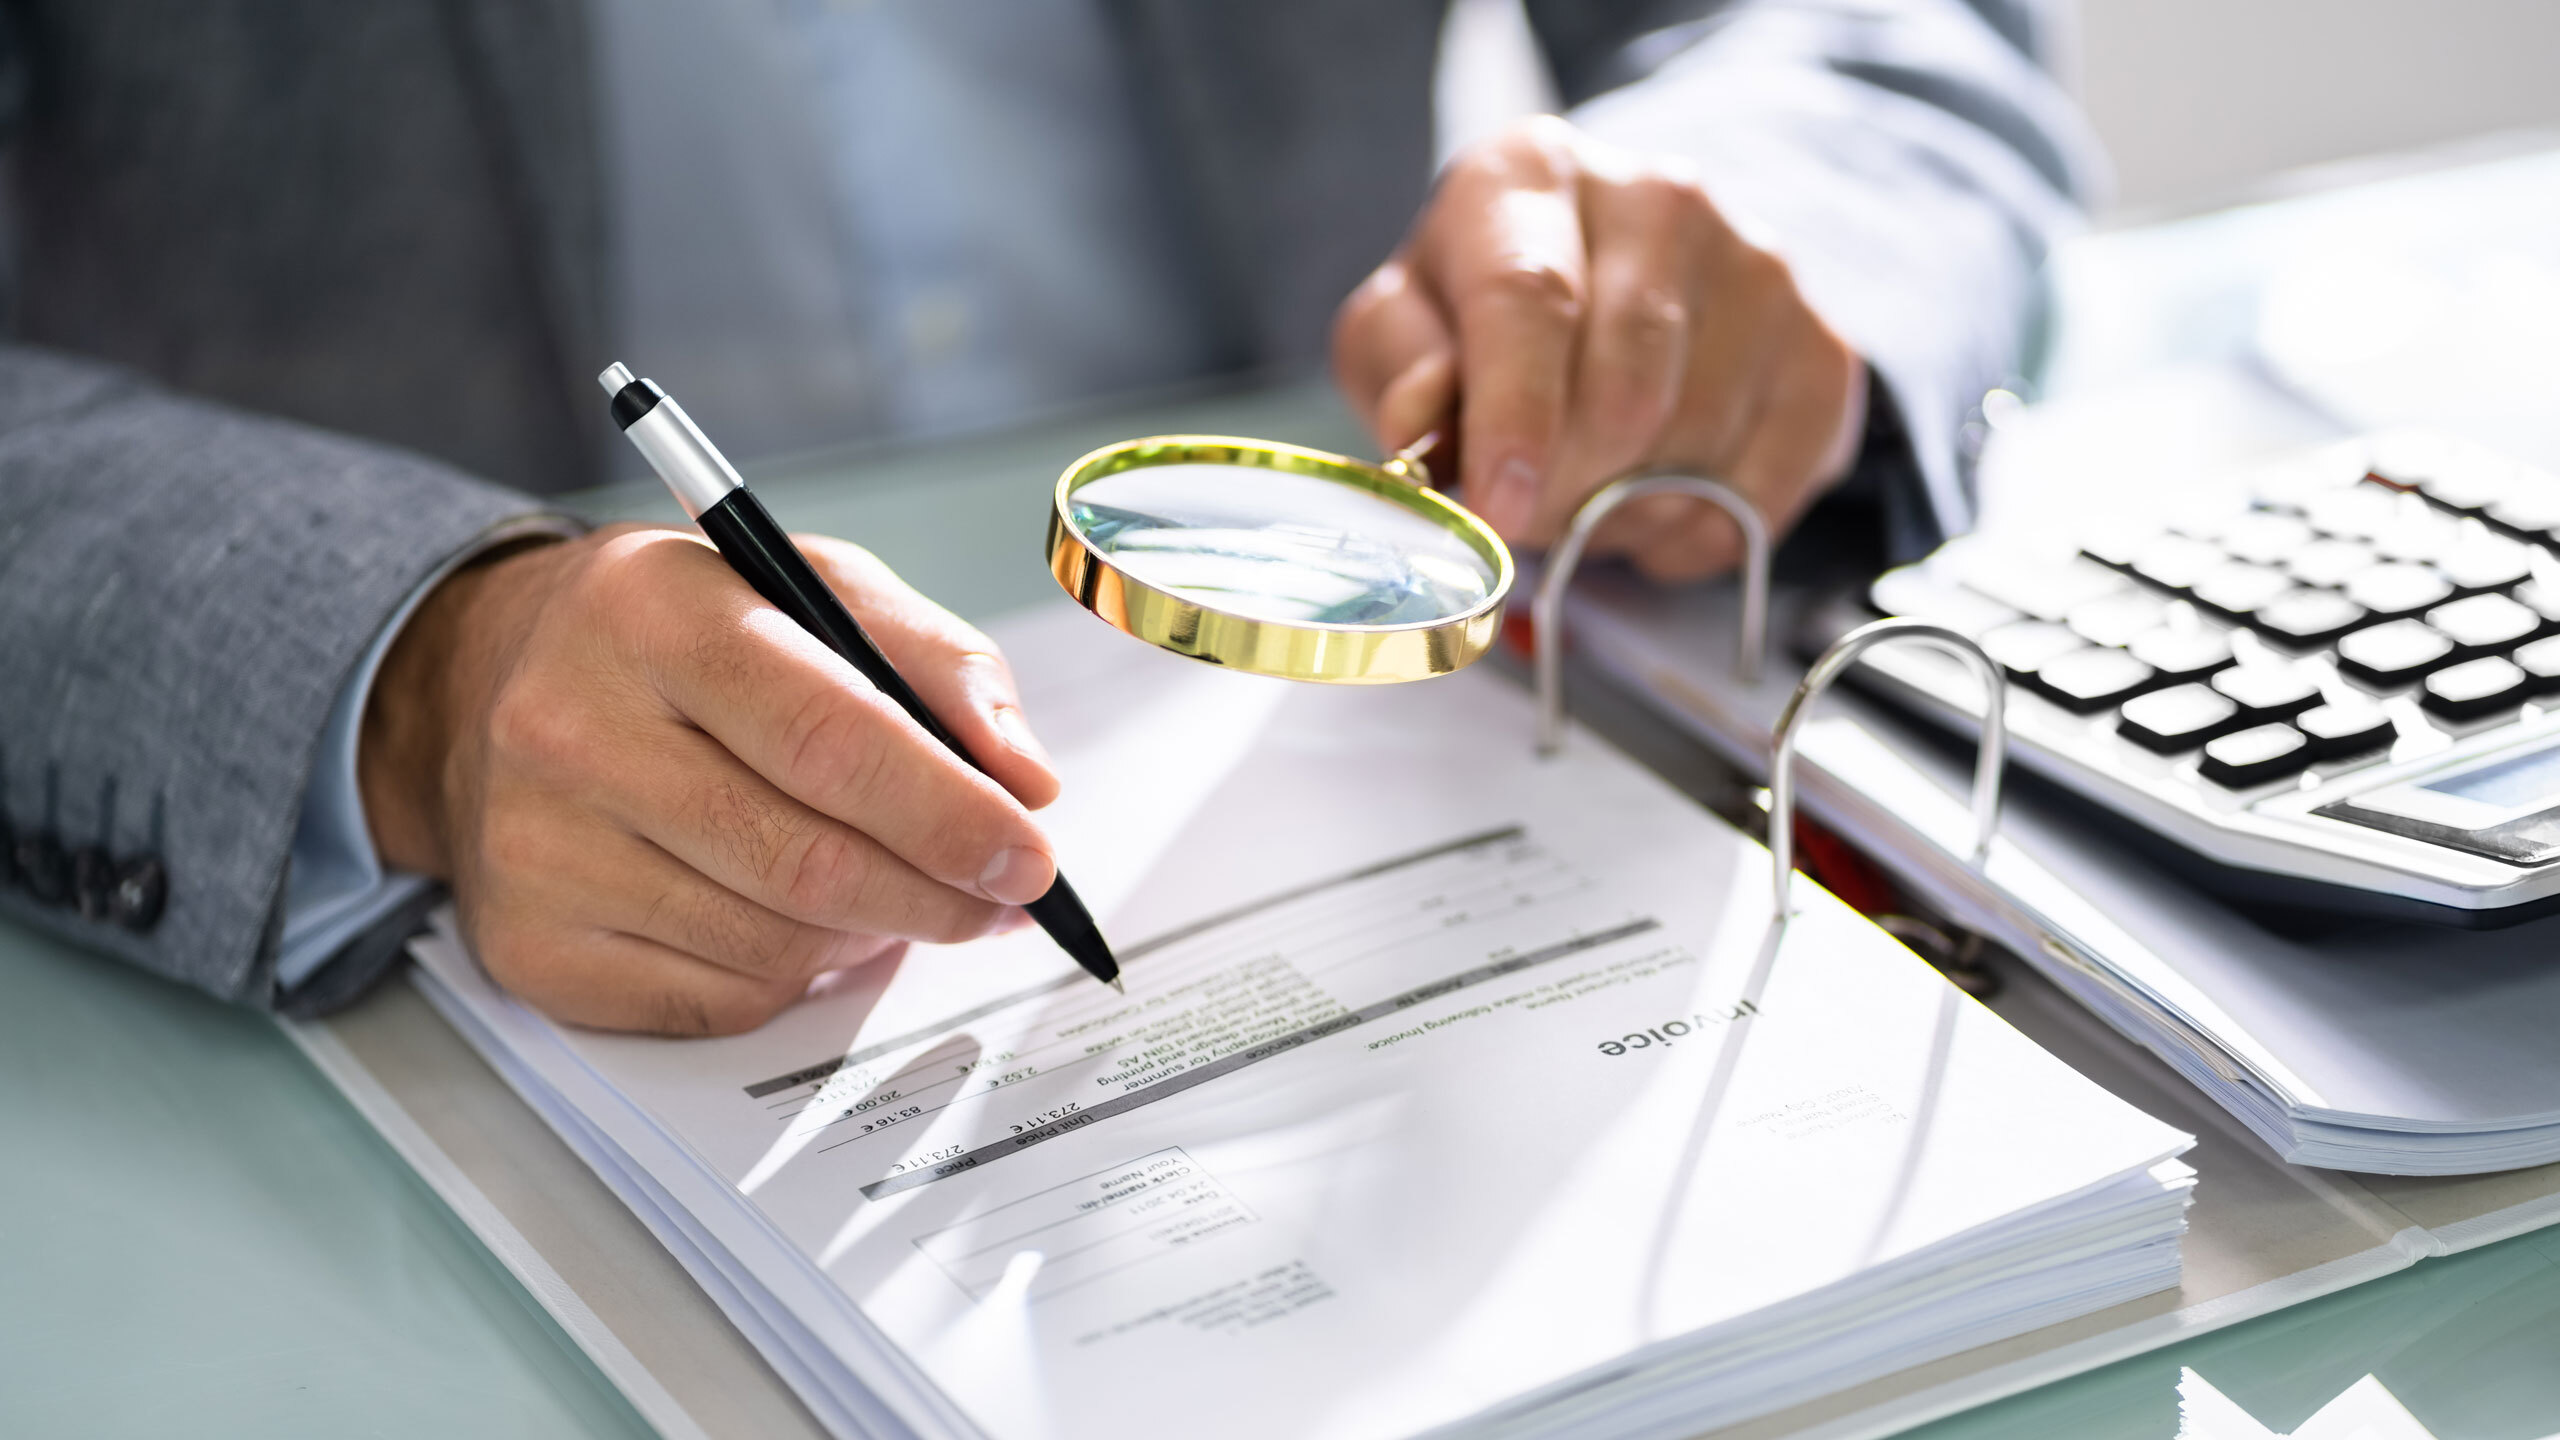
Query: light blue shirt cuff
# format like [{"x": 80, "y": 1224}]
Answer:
[{"x": 337, "y": 888}]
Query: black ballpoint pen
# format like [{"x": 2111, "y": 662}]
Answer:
[{"x": 762, "y": 553}]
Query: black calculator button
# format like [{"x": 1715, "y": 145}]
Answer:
[
  {"x": 2116, "y": 619},
  {"x": 2180, "y": 718},
  {"x": 2331, "y": 562},
  {"x": 2540, "y": 662},
  {"x": 2474, "y": 688},
  {"x": 2306, "y": 618},
  {"x": 2485, "y": 562},
  {"x": 2023, "y": 645},
  {"x": 2267, "y": 692},
  {"x": 2090, "y": 680},
  {"x": 2485, "y": 624},
  {"x": 2174, "y": 562},
  {"x": 2255, "y": 756},
  {"x": 2345, "y": 728},
  {"x": 2182, "y": 654},
  {"x": 2263, "y": 537},
  {"x": 2393, "y": 654},
  {"x": 2237, "y": 588},
  {"x": 2392, "y": 590}
]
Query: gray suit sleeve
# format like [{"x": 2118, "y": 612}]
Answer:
[
  {"x": 1911, "y": 159},
  {"x": 185, "y": 588}
]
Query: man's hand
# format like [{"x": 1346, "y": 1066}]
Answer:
[
  {"x": 1589, "y": 313},
  {"x": 663, "y": 806}
]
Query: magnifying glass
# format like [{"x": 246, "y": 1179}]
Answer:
[{"x": 1279, "y": 560}]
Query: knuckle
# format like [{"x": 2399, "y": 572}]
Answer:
[
  {"x": 1536, "y": 288},
  {"x": 529, "y": 725},
  {"x": 831, "y": 748},
  {"x": 756, "y": 833},
  {"x": 682, "y": 1012},
  {"x": 1656, "y": 316},
  {"x": 828, "y": 865}
]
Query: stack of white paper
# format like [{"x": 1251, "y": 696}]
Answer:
[{"x": 1455, "y": 1091}]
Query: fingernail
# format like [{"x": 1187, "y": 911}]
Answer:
[
  {"x": 1512, "y": 497},
  {"x": 1017, "y": 876},
  {"x": 1017, "y": 733}
]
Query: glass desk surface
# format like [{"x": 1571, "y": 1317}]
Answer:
[{"x": 198, "y": 1234}]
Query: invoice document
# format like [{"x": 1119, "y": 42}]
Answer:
[{"x": 1452, "y": 1085}]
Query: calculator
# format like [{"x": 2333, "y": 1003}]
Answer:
[{"x": 2336, "y": 682}]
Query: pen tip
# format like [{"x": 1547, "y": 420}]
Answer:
[
  {"x": 615, "y": 377},
  {"x": 1114, "y": 983}
]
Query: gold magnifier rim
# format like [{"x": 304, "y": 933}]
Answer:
[{"x": 1293, "y": 650}]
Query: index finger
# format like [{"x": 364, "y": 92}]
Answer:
[
  {"x": 801, "y": 716},
  {"x": 959, "y": 672},
  {"x": 1503, "y": 249}
]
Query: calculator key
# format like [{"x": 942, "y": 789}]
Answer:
[
  {"x": 2040, "y": 588},
  {"x": 2267, "y": 691},
  {"x": 2474, "y": 688},
  {"x": 1911, "y": 591},
  {"x": 2331, "y": 562},
  {"x": 2023, "y": 645},
  {"x": 2418, "y": 534},
  {"x": 2180, "y": 718},
  {"x": 2173, "y": 562},
  {"x": 2530, "y": 511},
  {"x": 2469, "y": 487},
  {"x": 2306, "y": 619},
  {"x": 2116, "y": 548},
  {"x": 2237, "y": 588},
  {"x": 2357, "y": 512},
  {"x": 2263, "y": 537},
  {"x": 2541, "y": 597},
  {"x": 2089, "y": 680},
  {"x": 2486, "y": 623},
  {"x": 2182, "y": 654},
  {"x": 2540, "y": 662},
  {"x": 2291, "y": 484},
  {"x": 2350, "y": 727},
  {"x": 2394, "y": 590},
  {"x": 2393, "y": 654},
  {"x": 2255, "y": 756},
  {"x": 2115, "y": 620},
  {"x": 2485, "y": 562}
]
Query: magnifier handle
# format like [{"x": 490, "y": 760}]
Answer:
[{"x": 1417, "y": 463}]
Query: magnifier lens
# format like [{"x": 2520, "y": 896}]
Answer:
[{"x": 1270, "y": 545}]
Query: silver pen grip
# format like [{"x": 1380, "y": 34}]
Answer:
[{"x": 676, "y": 448}]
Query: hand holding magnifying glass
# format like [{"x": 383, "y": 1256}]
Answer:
[{"x": 1587, "y": 313}]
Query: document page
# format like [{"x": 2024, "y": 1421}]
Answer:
[{"x": 1446, "y": 1074}]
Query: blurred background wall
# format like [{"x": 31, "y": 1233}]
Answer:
[{"x": 2198, "y": 101}]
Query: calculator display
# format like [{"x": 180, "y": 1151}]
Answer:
[{"x": 2509, "y": 784}]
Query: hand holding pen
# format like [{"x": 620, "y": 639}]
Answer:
[{"x": 662, "y": 806}]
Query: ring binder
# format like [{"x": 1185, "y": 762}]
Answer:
[
  {"x": 1546, "y": 607},
  {"x": 1988, "y": 763}
]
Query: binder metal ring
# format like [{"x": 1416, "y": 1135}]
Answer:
[
  {"x": 1991, "y": 758},
  {"x": 1546, "y": 607}
]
